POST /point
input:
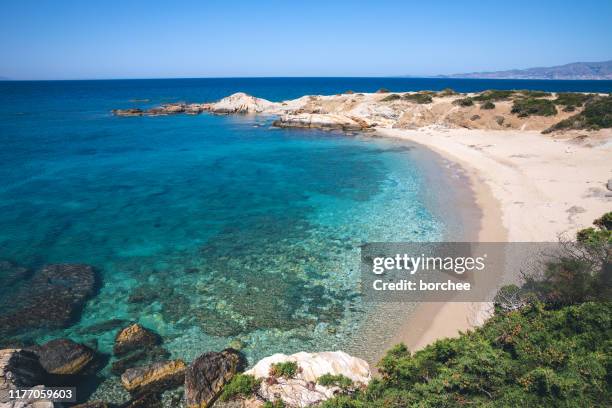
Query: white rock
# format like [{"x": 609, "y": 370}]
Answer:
[
  {"x": 241, "y": 103},
  {"x": 314, "y": 365}
]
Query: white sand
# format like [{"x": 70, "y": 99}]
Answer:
[{"x": 530, "y": 187}]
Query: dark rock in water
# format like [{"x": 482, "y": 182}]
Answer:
[
  {"x": 10, "y": 274},
  {"x": 139, "y": 357},
  {"x": 19, "y": 369},
  {"x": 103, "y": 327},
  {"x": 206, "y": 376},
  {"x": 52, "y": 298},
  {"x": 128, "y": 112},
  {"x": 134, "y": 337},
  {"x": 154, "y": 378},
  {"x": 63, "y": 356}
]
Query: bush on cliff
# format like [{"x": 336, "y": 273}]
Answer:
[
  {"x": 533, "y": 106},
  {"x": 597, "y": 114},
  {"x": 287, "y": 369},
  {"x": 421, "y": 97},
  {"x": 487, "y": 105}
]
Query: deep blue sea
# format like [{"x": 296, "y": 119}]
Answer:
[{"x": 209, "y": 229}]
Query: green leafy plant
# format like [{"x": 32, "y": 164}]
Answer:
[
  {"x": 339, "y": 380},
  {"x": 493, "y": 95},
  {"x": 487, "y": 105},
  {"x": 241, "y": 385},
  {"x": 286, "y": 369}
]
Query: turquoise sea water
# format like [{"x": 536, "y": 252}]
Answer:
[{"x": 205, "y": 228}]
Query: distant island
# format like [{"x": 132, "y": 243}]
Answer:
[{"x": 575, "y": 70}]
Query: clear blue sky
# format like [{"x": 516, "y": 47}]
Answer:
[{"x": 45, "y": 39}]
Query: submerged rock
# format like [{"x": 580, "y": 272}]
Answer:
[
  {"x": 63, "y": 356},
  {"x": 11, "y": 274},
  {"x": 154, "y": 378},
  {"x": 134, "y": 337},
  {"x": 52, "y": 298},
  {"x": 206, "y": 376},
  {"x": 139, "y": 357}
]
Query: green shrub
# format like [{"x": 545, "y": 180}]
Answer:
[
  {"x": 391, "y": 97},
  {"x": 493, "y": 95},
  {"x": 487, "y": 105},
  {"x": 532, "y": 106},
  {"x": 241, "y": 385},
  {"x": 338, "y": 380},
  {"x": 275, "y": 404},
  {"x": 286, "y": 369},
  {"x": 572, "y": 99},
  {"x": 597, "y": 114},
  {"x": 569, "y": 108},
  {"x": 464, "y": 102},
  {"x": 421, "y": 98}
]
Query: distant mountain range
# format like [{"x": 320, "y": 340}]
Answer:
[{"x": 575, "y": 70}]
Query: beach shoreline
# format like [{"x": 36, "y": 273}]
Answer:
[{"x": 506, "y": 185}]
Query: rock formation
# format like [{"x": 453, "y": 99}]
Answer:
[
  {"x": 20, "y": 369},
  {"x": 134, "y": 337},
  {"x": 206, "y": 376},
  {"x": 63, "y": 356},
  {"x": 154, "y": 378}
]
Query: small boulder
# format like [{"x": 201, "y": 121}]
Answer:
[
  {"x": 154, "y": 378},
  {"x": 128, "y": 112},
  {"x": 206, "y": 376},
  {"x": 134, "y": 337},
  {"x": 63, "y": 356},
  {"x": 139, "y": 358}
]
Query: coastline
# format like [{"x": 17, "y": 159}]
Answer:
[{"x": 504, "y": 183}]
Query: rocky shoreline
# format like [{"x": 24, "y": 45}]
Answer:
[{"x": 350, "y": 111}]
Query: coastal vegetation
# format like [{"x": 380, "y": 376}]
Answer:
[
  {"x": 524, "y": 107},
  {"x": 597, "y": 114},
  {"x": 391, "y": 97},
  {"x": 286, "y": 369},
  {"x": 549, "y": 346},
  {"x": 487, "y": 105},
  {"x": 494, "y": 95},
  {"x": 241, "y": 385},
  {"x": 420, "y": 97},
  {"x": 338, "y": 380},
  {"x": 465, "y": 102}
]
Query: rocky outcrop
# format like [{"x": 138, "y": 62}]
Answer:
[
  {"x": 206, "y": 376},
  {"x": 154, "y": 378},
  {"x": 19, "y": 369},
  {"x": 52, "y": 298},
  {"x": 128, "y": 112},
  {"x": 241, "y": 103},
  {"x": 314, "y": 365},
  {"x": 134, "y": 337},
  {"x": 322, "y": 121},
  {"x": 63, "y": 356},
  {"x": 303, "y": 390}
]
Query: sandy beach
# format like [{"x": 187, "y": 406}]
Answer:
[{"x": 530, "y": 188}]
